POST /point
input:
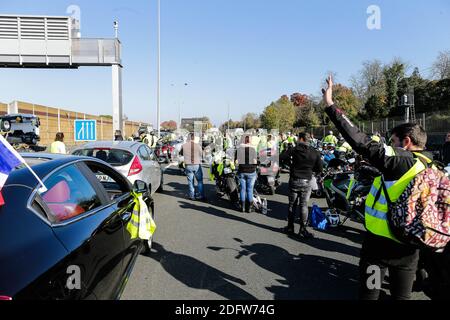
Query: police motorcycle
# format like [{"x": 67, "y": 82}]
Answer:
[
  {"x": 223, "y": 172},
  {"x": 268, "y": 172},
  {"x": 346, "y": 190}
]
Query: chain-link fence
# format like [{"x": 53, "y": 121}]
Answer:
[{"x": 436, "y": 124}]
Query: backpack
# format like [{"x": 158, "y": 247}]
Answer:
[
  {"x": 318, "y": 219},
  {"x": 421, "y": 216}
]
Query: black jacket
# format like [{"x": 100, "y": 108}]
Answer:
[
  {"x": 303, "y": 161},
  {"x": 393, "y": 168}
]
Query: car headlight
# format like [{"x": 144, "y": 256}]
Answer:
[{"x": 6, "y": 125}]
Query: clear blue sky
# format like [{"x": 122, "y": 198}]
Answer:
[{"x": 243, "y": 52}]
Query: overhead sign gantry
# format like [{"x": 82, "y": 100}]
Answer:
[{"x": 54, "y": 42}]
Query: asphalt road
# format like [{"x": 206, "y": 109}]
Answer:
[{"x": 207, "y": 251}]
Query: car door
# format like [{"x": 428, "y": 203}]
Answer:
[
  {"x": 89, "y": 226},
  {"x": 147, "y": 172},
  {"x": 118, "y": 190},
  {"x": 156, "y": 169}
]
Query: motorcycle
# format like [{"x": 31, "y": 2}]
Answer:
[
  {"x": 224, "y": 173},
  {"x": 164, "y": 152},
  {"x": 346, "y": 191},
  {"x": 268, "y": 179}
]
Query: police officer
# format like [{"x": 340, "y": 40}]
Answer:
[
  {"x": 330, "y": 138},
  {"x": 303, "y": 161},
  {"x": 381, "y": 249}
]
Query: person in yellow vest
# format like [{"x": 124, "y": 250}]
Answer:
[
  {"x": 58, "y": 145},
  {"x": 330, "y": 138},
  {"x": 399, "y": 164},
  {"x": 343, "y": 148}
]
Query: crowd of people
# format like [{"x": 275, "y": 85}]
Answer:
[
  {"x": 395, "y": 156},
  {"x": 399, "y": 163}
]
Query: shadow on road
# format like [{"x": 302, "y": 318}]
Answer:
[
  {"x": 353, "y": 234},
  {"x": 321, "y": 244},
  {"x": 222, "y": 214},
  {"x": 303, "y": 277},
  {"x": 198, "y": 275}
]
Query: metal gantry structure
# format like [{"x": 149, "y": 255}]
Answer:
[{"x": 55, "y": 42}]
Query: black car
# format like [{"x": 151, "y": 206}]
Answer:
[{"x": 72, "y": 241}]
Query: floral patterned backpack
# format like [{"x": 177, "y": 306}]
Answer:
[{"x": 421, "y": 216}]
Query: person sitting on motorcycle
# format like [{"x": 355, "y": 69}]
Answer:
[
  {"x": 328, "y": 153},
  {"x": 343, "y": 148}
]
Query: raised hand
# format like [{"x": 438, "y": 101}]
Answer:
[{"x": 328, "y": 93}]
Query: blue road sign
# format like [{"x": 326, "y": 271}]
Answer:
[{"x": 85, "y": 130}]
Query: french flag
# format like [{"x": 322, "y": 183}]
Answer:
[{"x": 9, "y": 159}]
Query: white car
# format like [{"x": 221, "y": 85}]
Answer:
[{"x": 134, "y": 160}]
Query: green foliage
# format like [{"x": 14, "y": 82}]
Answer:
[
  {"x": 279, "y": 115},
  {"x": 393, "y": 74},
  {"x": 375, "y": 108},
  {"x": 346, "y": 100}
]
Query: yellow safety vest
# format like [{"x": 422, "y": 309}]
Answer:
[
  {"x": 376, "y": 138},
  {"x": 376, "y": 213},
  {"x": 330, "y": 139},
  {"x": 345, "y": 147},
  {"x": 141, "y": 225}
]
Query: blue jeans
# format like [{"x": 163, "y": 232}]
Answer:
[
  {"x": 247, "y": 181},
  {"x": 197, "y": 172}
]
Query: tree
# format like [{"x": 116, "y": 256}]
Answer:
[
  {"x": 369, "y": 81},
  {"x": 279, "y": 115},
  {"x": 299, "y": 100},
  {"x": 169, "y": 125},
  {"x": 346, "y": 100},
  {"x": 251, "y": 121},
  {"x": 374, "y": 108},
  {"x": 441, "y": 67},
  {"x": 393, "y": 74},
  {"x": 307, "y": 117}
]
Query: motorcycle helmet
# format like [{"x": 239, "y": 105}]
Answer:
[{"x": 333, "y": 218}]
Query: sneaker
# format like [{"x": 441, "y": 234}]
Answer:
[{"x": 305, "y": 234}]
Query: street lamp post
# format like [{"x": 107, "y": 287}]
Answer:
[{"x": 159, "y": 71}]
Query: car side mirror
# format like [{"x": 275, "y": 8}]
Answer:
[{"x": 140, "y": 186}]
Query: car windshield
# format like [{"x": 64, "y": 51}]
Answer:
[{"x": 115, "y": 157}]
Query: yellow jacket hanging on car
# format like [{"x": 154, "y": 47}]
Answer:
[{"x": 141, "y": 224}]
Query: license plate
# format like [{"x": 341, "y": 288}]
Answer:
[
  {"x": 227, "y": 171},
  {"x": 104, "y": 178}
]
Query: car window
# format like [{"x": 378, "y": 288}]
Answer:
[
  {"x": 115, "y": 157},
  {"x": 69, "y": 195},
  {"x": 143, "y": 154},
  {"x": 114, "y": 184}
]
